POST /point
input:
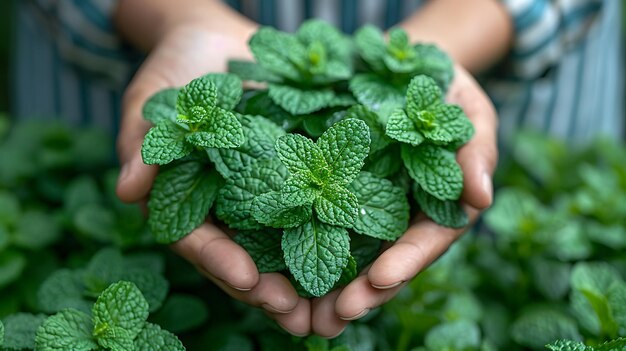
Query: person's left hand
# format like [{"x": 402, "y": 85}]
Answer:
[{"x": 425, "y": 240}]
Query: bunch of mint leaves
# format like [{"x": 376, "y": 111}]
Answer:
[{"x": 318, "y": 167}]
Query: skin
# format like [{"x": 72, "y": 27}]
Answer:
[{"x": 188, "y": 38}]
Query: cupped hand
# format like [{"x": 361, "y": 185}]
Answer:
[
  {"x": 425, "y": 240},
  {"x": 182, "y": 55}
]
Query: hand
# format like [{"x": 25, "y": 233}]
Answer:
[
  {"x": 425, "y": 241},
  {"x": 182, "y": 55}
]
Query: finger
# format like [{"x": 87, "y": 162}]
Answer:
[
  {"x": 297, "y": 322},
  {"x": 424, "y": 242},
  {"x": 359, "y": 297},
  {"x": 324, "y": 320}
]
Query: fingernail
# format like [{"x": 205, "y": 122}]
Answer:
[
  {"x": 235, "y": 287},
  {"x": 357, "y": 316},
  {"x": 336, "y": 335},
  {"x": 488, "y": 186},
  {"x": 272, "y": 309},
  {"x": 300, "y": 335},
  {"x": 382, "y": 287}
]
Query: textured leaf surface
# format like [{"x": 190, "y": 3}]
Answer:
[
  {"x": 538, "y": 327},
  {"x": 161, "y": 106},
  {"x": 401, "y": 128},
  {"x": 228, "y": 89},
  {"x": 180, "y": 200},
  {"x": 271, "y": 49},
  {"x": 271, "y": 210},
  {"x": 247, "y": 70},
  {"x": 371, "y": 45},
  {"x": 316, "y": 254},
  {"x": 448, "y": 213},
  {"x": 164, "y": 144},
  {"x": 153, "y": 338},
  {"x": 377, "y": 131},
  {"x": 345, "y": 146},
  {"x": 264, "y": 248},
  {"x": 435, "y": 170},
  {"x": 435, "y": 64},
  {"x": 336, "y": 205},
  {"x": 63, "y": 289},
  {"x": 299, "y": 154},
  {"x": 298, "y": 190},
  {"x": 154, "y": 287},
  {"x": 372, "y": 91},
  {"x": 568, "y": 345},
  {"x": 200, "y": 92},
  {"x": 300, "y": 102},
  {"x": 20, "y": 330},
  {"x": 223, "y": 131},
  {"x": 122, "y": 306},
  {"x": 234, "y": 203},
  {"x": 383, "y": 209},
  {"x": 455, "y": 123},
  {"x": 422, "y": 94},
  {"x": 69, "y": 329}
]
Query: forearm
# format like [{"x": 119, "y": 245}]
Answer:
[
  {"x": 475, "y": 33},
  {"x": 144, "y": 23}
]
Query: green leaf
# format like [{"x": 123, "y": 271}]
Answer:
[
  {"x": 261, "y": 104},
  {"x": 273, "y": 50},
  {"x": 20, "y": 330},
  {"x": 458, "y": 335},
  {"x": 164, "y": 144},
  {"x": 374, "y": 92},
  {"x": 181, "y": 313},
  {"x": 448, "y": 213},
  {"x": 345, "y": 146},
  {"x": 120, "y": 307},
  {"x": 161, "y": 106},
  {"x": 222, "y": 131},
  {"x": 538, "y": 326},
  {"x": 435, "y": 170},
  {"x": 228, "y": 89},
  {"x": 364, "y": 249},
  {"x": 613, "y": 345},
  {"x": 1, "y": 334},
  {"x": 96, "y": 222},
  {"x": 63, "y": 289},
  {"x": 298, "y": 190},
  {"x": 104, "y": 268},
  {"x": 422, "y": 94},
  {"x": 234, "y": 202},
  {"x": 568, "y": 345},
  {"x": 260, "y": 138},
  {"x": 153, "y": 338},
  {"x": 247, "y": 70},
  {"x": 551, "y": 277},
  {"x": 271, "y": 210},
  {"x": 12, "y": 263},
  {"x": 377, "y": 130},
  {"x": 371, "y": 45},
  {"x": 336, "y": 205},
  {"x": 383, "y": 209},
  {"x": 9, "y": 208},
  {"x": 154, "y": 287},
  {"x": 299, "y": 154},
  {"x": 454, "y": 122},
  {"x": 385, "y": 163},
  {"x": 300, "y": 102},
  {"x": 348, "y": 274},
  {"x": 69, "y": 329},
  {"x": 401, "y": 128},
  {"x": 434, "y": 63},
  {"x": 180, "y": 200},
  {"x": 617, "y": 303},
  {"x": 36, "y": 230},
  {"x": 264, "y": 248},
  {"x": 199, "y": 93},
  {"x": 316, "y": 254}
]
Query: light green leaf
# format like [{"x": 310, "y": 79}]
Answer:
[
  {"x": 154, "y": 287},
  {"x": 568, "y": 345},
  {"x": 383, "y": 209},
  {"x": 36, "y": 230},
  {"x": 316, "y": 254},
  {"x": 69, "y": 329},
  {"x": 180, "y": 200},
  {"x": 222, "y": 131},
  {"x": 271, "y": 49},
  {"x": 612, "y": 345},
  {"x": 377, "y": 130},
  {"x": 12, "y": 263},
  {"x": 115, "y": 339},
  {"x": 371, "y": 45},
  {"x": 300, "y": 102},
  {"x": 247, "y": 70},
  {"x": 228, "y": 89},
  {"x": 120, "y": 306},
  {"x": 401, "y": 128},
  {"x": 551, "y": 277},
  {"x": 336, "y": 205},
  {"x": 161, "y": 106},
  {"x": 104, "y": 268},
  {"x": 455, "y": 123},
  {"x": 422, "y": 94},
  {"x": 298, "y": 190},
  {"x": 63, "y": 289},
  {"x": 153, "y": 338},
  {"x": 20, "y": 330},
  {"x": 538, "y": 326},
  {"x": 264, "y": 248},
  {"x": 271, "y": 210},
  {"x": 234, "y": 202},
  {"x": 434, "y": 63},
  {"x": 181, "y": 313},
  {"x": 199, "y": 93},
  {"x": 448, "y": 213},
  {"x": 617, "y": 303},
  {"x": 300, "y": 155},
  {"x": 164, "y": 144},
  {"x": 373, "y": 91},
  {"x": 458, "y": 335},
  {"x": 345, "y": 146},
  {"x": 435, "y": 169}
]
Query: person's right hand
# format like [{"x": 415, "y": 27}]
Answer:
[{"x": 182, "y": 55}]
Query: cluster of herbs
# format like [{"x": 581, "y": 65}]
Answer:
[{"x": 318, "y": 167}]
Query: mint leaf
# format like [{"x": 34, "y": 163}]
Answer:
[
  {"x": 345, "y": 146},
  {"x": 371, "y": 45},
  {"x": 299, "y": 154},
  {"x": 180, "y": 200},
  {"x": 383, "y": 209},
  {"x": 277, "y": 51},
  {"x": 434, "y": 63},
  {"x": 20, "y": 330},
  {"x": 568, "y": 345},
  {"x": 235, "y": 198},
  {"x": 154, "y": 287},
  {"x": 264, "y": 248},
  {"x": 164, "y": 144},
  {"x": 119, "y": 314},
  {"x": 454, "y": 122},
  {"x": 328, "y": 50},
  {"x": 261, "y": 104},
  {"x": 316, "y": 254},
  {"x": 69, "y": 329},
  {"x": 401, "y": 57},
  {"x": 251, "y": 71},
  {"x": 196, "y": 100},
  {"x": 299, "y": 102},
  {"x": 348, "y": 274},
  {"x": 181, "y": 313},
  {"x": 63, "y": 289},
  {"x": 422, "y": 94},
  {"x": 12, "y": 264},
  {"x": 271, "y": 210},
  {"x": 260, "y": 138},
  {"x": 377, "y": 130},
  {"x": 374, "y": 92},
  {"x": 617, "y": 303},
  {"x": 538, "y": 326},
  {"x": 448, "y": 213},
  {"x": 435, "y": 170},
  {"x": 228, "y": 89},
  {"x": 336, "y": 205},
  {"x": 401, "y": 128},
  {"x": 612, "y": 345},
  {"x": 161, "y": 106},
  {"x": 457, "y": 335},
  {"x": 153, "y": 338},
  {"x": 36, "y": 229},
  {"x": 364, "y": 249},
  {"x": 384, "y": 163},
  {"x": 104, "y": 268},
  {"x": 223, "y": 131},
  {"x": 299, "y": 190}
]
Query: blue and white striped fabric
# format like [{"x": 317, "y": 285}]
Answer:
[{"x": 563, "y": 75}]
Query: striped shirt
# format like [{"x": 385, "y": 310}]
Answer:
[{"x": 563, "y": 75}]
